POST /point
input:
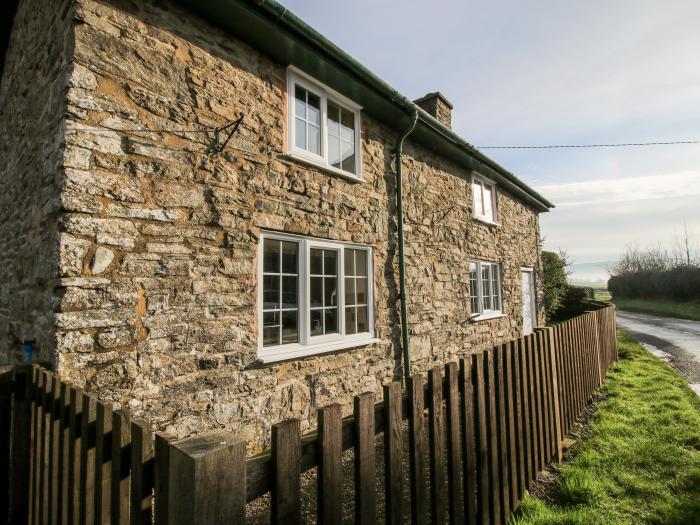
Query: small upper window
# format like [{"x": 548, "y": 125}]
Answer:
[
  {"x": 484, "y": 192},
  {"x": 323, "y": 126},
  {"x": 485, "y": 289}
]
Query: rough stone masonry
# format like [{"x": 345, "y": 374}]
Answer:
[{"x": 130, "y": 257}]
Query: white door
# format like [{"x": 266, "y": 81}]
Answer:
[{"x": 529, "y": 313}]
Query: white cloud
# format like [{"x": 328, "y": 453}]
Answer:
[{"x": 628, "y": 189}]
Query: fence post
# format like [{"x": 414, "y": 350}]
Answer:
[
  {"x": 20, "y": 446},
  {"x": 207, "y": 480}
]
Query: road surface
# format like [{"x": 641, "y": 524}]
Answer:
[{"x": 665, "y": 335}]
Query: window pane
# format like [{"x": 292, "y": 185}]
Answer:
[
  {"x": 349, "y": 162},
  {"x": 271, "y": 256},
  {"x": 488, "y": 199},
  {"x": 334, "y": 151},
  {"x": 316, "y": 295},
  {"x": 271, "y": 329},
  {"x": 290, "y": 331},
  {"x": 350, "y": 321},
  {"x": 330, "y": 263},
  {"x": 316, "y": 322},
  {"x": 331, "y": 321},
  {"x": 299, "y": 101},
  {"x": 347, "y": 128},
  {"x": 473, "y": 289},
  {"x": 299, "y": 133},
  {"x": 289, "y": 257},
  {"x": 289, "y": 292},
  {"x": 350, "y": 262},
  {"x": 486, "y": 285},
  {"x": 362, "y": 319},
  {"x": 361, "y": 288},
  {"x": 330, "y": 291},
  {"x": 361, "y": 262},
  {"x": 314, "y": 139},
  {"x": 316, "y": 256},
  {"x": 314, "y": 109},
  {"x": 271, "y": 292},
  {"x": 333, "y": 119},
  {"x": 478, "y": 198},
  {"x": 349, "y": 291}
]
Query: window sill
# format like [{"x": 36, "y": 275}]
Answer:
[
  {"x": 486, "y": 221},
  {"x": 323, "y": 167},
  {"x": 314, "y": 350},
  {"x": 486, "y": 317}
]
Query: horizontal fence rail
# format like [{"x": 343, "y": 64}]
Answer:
[{"x": 461, "y": 443}]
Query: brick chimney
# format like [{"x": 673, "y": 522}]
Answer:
[{"x": 438, "y": 106}]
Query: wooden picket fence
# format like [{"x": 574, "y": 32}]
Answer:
[{"x": 480, "y": 431}]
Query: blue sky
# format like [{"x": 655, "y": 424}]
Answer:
[{"x": 552, "y": 72}]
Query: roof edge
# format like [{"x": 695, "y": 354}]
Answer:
[{"x": 278, "y": 15}]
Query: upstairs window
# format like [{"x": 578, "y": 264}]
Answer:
[
  {"x": 316, "y": 296},
  {"x": 484, "y": 192},
  {"x": 324, "y": 127},
  {"x": 485, "y": 289}
]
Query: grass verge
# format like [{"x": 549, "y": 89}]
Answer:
[
  {"x": 639, "y": 462},
  {"x": 682, "y": 310}
]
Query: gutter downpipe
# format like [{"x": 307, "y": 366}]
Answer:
[{"x": 402, "y": 261}]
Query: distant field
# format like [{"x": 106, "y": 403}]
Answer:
[{"x": 687, "y": 310}]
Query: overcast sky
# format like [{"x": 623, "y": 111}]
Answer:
[{"x": 552, "y": 72}]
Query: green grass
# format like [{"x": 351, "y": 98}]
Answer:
[
  {"x": 686, "y": 310},
  {"x": 640, "y": 460}
]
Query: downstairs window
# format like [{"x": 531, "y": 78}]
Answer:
[
  {"x": 485, "y": 289},
  {"x": 316, "y": 296}
]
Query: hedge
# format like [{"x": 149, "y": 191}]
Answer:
[{"x": 680, "y": 284}]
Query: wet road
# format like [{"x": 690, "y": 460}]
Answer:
[{"x": 665, "y": 335}]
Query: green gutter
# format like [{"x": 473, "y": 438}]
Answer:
[
  {"x": 278, "y": 33},
  {"x": 402, "y": 259}
]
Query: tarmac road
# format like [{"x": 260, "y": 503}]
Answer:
[{"x": 665, "y": 336}]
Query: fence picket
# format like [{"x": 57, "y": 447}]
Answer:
[
  {"x": 19, "y": 470},
  {"x": 365, "y": 462},
  {"x": 453, "y": 455},
  {"x": 161, "y": 474},
  {"x": 519, "y": 419},
  {"x": 103, "y": 462},
  {"x": 502, "y": 430},
  {"x": 329, "y": 476},
  {"x": 286, "y": 454},
  {"x": 141, "y": 504},
  {"x": 482, "y": 439},
  {"x": 45, "y": 457},
  {"x": 438, "y": 485},
  {"x": 121, "y": 466},
  {"x": 393, "y": 457},
  {"x": 510, "y": 426},
  {"x": 470, "y": 442},
  {"x": 416, "y": 440},
  {"x": 87, "y": 460},
  {"x": 74, "y": 464}
]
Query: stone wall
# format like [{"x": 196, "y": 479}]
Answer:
[
  {"x": 157, "y": 304},
  {"x": 32, "y": 109}
]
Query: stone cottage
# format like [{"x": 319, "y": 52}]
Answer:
[{"x": 233, "y": 278}]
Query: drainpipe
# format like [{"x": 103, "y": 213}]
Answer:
[{"x": 402, "y": 262}]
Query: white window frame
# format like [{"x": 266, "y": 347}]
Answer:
[
  {"x": 308, "y": 344},
  {"x": 492, "y": 313},
  {"x": 297, "y": 77},
  {"x": 478, "y": 183}
]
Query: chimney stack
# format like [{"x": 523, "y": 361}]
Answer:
[{"x": 438, "y": 106}]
